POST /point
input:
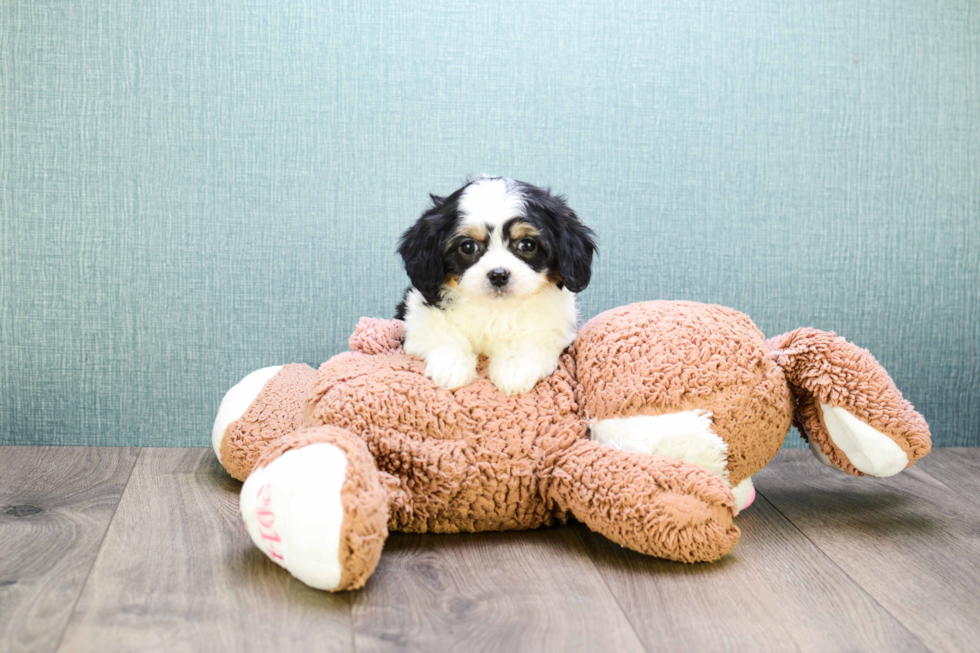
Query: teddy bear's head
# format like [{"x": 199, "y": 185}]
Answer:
[{"x": 664, "y": 358}]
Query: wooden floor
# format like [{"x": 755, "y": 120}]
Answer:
[{"x": 143, "y": 550}]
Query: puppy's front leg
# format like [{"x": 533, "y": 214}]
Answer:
[
  {"x": 516, "y": 367},
  {"x": 450, "y": 366},
  {"x": 449, "y": 358}
]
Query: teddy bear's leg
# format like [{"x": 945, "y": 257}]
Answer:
[
  {"x": 685, "y": 435},
  {"x": 264, "y": 406},
  {"x": 847, "y": 406},
  {"x": 316, "y": 505},
  {"x": 658, "y": 506}
]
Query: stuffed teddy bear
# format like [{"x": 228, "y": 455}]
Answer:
[{"x": 648, "y": 432}]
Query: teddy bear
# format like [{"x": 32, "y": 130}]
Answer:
[{"x": 648, "y": 432}]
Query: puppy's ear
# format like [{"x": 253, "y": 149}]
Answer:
[
  {"x": 571, "y": 244},
  {"x": 436, "y": 200},
  {"x": 420, "y": 249},
  {"x": 573, "y": 256}
]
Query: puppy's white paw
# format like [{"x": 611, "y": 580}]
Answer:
[
  {"x": 515, "y": 374},
  {"x": 450, "y": 367}
]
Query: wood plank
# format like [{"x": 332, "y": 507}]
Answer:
[
  {"x": 774, "y": 592},
  {"x": 178, "y": 572},
  {"x": 909, "y": 541},
  {"x": 515, "y": 591},
  {"x": 958, "y": 469},
  {"x": 55, "y": 506}
]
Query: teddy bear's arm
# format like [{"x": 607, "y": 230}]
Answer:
[
  {"x": 847, "y": 406},
  {"x": 653, "y": 505}
]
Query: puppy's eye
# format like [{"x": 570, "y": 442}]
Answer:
[
  {"x": 527, "y": 245},
  {"x": 468, "y": 247}
]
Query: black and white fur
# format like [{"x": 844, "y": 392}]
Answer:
[{"x": 494, "y": 268}]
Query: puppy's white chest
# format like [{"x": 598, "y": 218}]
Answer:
[
  {"x": 486, "y": 326},
  {"x": 550, "y": 315}
]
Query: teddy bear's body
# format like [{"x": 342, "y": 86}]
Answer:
[
  {"x": 653, "y": 417},
  {"x": 465, "y": 460}
]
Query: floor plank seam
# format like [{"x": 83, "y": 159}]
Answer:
[
  {"x": 958, "y": 491},
  {"x": 605, "y": 583},
  {"x": 95, "y": 558},
  {"x": 351, "y": 597},
  {"x": 844, "y": 571}
]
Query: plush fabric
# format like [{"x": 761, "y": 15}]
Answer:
[{"x": 474, "y": 459}]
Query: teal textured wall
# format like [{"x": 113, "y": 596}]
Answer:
[{"x": 192, "y": 190}]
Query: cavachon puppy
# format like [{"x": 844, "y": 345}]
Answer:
[{"x": 495, "y": 268}]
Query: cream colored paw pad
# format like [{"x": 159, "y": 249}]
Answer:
[
  {"x": 237, "y": 400},
  {"x": 293, "y": 512},
  {"x": 870, "y": 451}
]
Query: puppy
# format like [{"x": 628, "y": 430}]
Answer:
[{"x": 494, "y": 268}]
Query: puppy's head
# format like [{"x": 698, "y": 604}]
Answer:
[{"x": 497, "y": 238}]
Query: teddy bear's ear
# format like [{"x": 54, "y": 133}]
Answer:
[{"x": 377, "y": 336}]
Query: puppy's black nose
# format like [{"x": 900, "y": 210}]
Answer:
[{"x": 499, "y": 277}]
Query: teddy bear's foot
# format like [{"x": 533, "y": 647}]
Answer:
[
  {"x": 847, "y": 407},
  {"x": 261, "y": 408},
  {"x": 314, "y": 504},
  {"x": 685, "y": 435}
]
